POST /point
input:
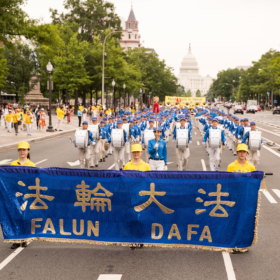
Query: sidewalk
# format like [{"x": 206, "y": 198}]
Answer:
[{"x": 10, "y": 140}]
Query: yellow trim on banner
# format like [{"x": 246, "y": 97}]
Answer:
[{"x": 191, "y": 100}]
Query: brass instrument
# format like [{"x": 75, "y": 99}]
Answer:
[{"x": 168, "y": 104}]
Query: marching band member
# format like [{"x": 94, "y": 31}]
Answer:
[
  {"x": 151, "y": 127},
  {"x": 158, "y": 152},
  {"x": 253, "y": 155},
  {"x": 84, "y": 155},
  {"x": 243, "y": 129},
  {"x": 94, "y": 160},
  {"x": 104, "y": 140},
  {"x": 119, "y": 151},
  {"x": 182, "y": 155},
  {"x": 137, "y": 163},
  {"x": 24, "y": 160},
  {"x": 214, "y": 153},
  {"x": 241, "y": 164}
]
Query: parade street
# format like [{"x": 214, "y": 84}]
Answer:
[{"x": 46, "y": 260}]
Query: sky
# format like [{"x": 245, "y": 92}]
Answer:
[{"x": 223, "y": 34}]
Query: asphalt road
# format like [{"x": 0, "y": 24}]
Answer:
[{"x": 43, "y": 260}]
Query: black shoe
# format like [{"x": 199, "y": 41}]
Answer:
[
  {"x": 24, "y": 244},
  {"x": 103, "y": 159},
  {"x": 120, "y": 169},
  {"x": 106, "y": 156},
  {"x": 96, "y": 165},
  {"x": 15, "y": 245},
  {"x": 100, "y": 160},
  {"x": 91, "y": 166},
  {"x": 55, "y": 130},
  {"x": 60, "y": 130}
]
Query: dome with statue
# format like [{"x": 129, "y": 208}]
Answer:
[{"x": 189, "y": 76}]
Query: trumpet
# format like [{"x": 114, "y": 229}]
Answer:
[
  {"x": 187, "y": 103},
  {"x": 204, "y": 103},
  {"x": 168, "y": 104}
]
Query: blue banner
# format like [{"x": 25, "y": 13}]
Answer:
[{"x": 212, "y": 210}]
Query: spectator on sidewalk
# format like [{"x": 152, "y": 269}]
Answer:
[
  {"x": 9, "y": 119},
  {"x": 37, "y": 116},
  {"x": 42, "y": 119},
  {"x": 28, "y": 122},
  {"x": 5, "y": 113},
  {"x": 16, "y": 119},
  {"x": 60, "y": 116}
]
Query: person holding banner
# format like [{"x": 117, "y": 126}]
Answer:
[
  {"x": 24, "y": 160},
  {"x": 137, "y": 163},
  {"x": 241, "y": 164},
  {"x": 158, "y": 151}
]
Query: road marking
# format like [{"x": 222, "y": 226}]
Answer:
[
  {"x": 268, "y": 196},
  {"x": 275, "y": 153},
  {"x": 277, "y": 192},
  {"x": 111, "y": 166},
  {"x": 40, "y": 161},
  {"x": 5, "y": 161},
  {"x": 75, "y": 163},
  {"x": 12, "y": 256},
  {"x": 276, "y": 134},
  {"x": 203, "y": 165},
  {"x": 109, "y": 277},
  {"x": 270, "y": 141},
  {"x": 229, "y": 267},
  {"x": 197, "y": 143}
]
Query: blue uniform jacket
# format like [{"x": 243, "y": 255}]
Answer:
[
  {"x": 162, "y": 150},
  {"x": 174, "y": 133}
]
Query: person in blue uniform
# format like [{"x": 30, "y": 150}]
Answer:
[{"x": 158, "y": 152}]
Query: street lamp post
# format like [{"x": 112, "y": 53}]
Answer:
[
  {"x": 49, "y": 69},
  {"x": 124, "y": 86},
  {"x": 113, "y": 84}
]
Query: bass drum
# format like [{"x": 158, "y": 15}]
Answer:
[
  {"x": 182, "y": 139},
  {"x": 94, "y": 129},
  {"x": 81, "y": 138},
  {"x": 148, "y": 135},
  {"x": 117, "y": 137}
]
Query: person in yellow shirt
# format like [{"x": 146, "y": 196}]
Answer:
[
  {"x": 81, "y": 107},
  {"x": 241, "y": 164},
  {"x": 16, "y": 119},
  {"x": 28, "y": 122},
  {"x": 9, "y": 119},
  {"x": 137, "y": 163},
  {"x": 24, "y": 160},
  {"x": 60, "y": 116}
]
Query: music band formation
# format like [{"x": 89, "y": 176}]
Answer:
[{"x": 152, "y": 131}]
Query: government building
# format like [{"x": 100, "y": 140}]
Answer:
[{"x": 189, "y": 76}]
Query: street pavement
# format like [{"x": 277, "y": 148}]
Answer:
[{"x": 44, "y": 260}]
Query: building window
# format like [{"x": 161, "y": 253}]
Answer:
[
  {"x": 129, "y": 25},
  {"x": 135, "y": 36},
  {"x": 129, "y": 36},
  {"x": 136, "y": 25}
]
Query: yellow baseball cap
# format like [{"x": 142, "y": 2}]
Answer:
[
  {"x": 136, "y": 148},
  {"x": 242, "y": 147},
  {"x": 23, "y": 145}
]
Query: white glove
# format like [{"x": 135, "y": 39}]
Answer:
[
  {"x": 106, "y": 140},
  {"x": 127, "y": 143},
  {"x": 100, "y": 137},
  {"x": 239, "y": 141},
  {"x": 203, "y": 143},
  {"x": 156, "y": 146},
  {"x": 190, "y": 142},
  {"x": 173, "y": 140},
  {"x": 93, "y": 143},
  {"x": 165, "y": 167}
]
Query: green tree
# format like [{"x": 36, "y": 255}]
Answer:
[
  {"x": 189, "y": 93},
  {"x": 92, "y": 16},
  {"x": 3, "y": 67},
  {"x": 14, "y": 22},
  {"x": 21, "y": 64},
  {"x": 198, "y": 93}
]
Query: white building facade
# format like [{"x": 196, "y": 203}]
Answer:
[
  {"x": 131, "y": 37},
  {"x": 189, "y": 76}
]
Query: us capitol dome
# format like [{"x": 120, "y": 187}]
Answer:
[{"x": 189, "y": 76}]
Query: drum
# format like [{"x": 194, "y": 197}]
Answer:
[
  {"x": 182, "y": 138},
  {"x": 215, "y": 138},
  {"x": 245, "y": 130},
  {"x": 126, "y": 129},
  {"x": 81, "y": 138},
  {"x": 94, "y": 129},
  {"x": 117, "y": 137},
  {"x": 148, "y": 135},
  {"x": 255, "y": 138}
]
